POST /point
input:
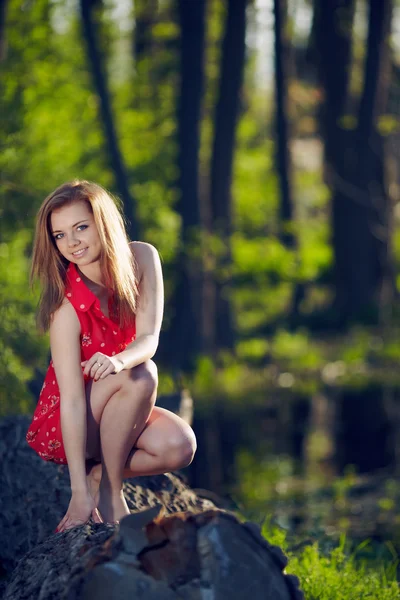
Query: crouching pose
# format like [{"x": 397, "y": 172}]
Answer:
[{"x": 102, "y": 300}]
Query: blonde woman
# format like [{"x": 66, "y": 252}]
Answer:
[{"x": 102, "y": 301}]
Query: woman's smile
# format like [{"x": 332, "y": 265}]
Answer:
[{"x": 79, "y": 253}]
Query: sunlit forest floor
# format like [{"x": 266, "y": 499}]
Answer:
[
  {"x": 337, "y": 571},
  {"x": 342, "y": 538},
  {"x": 284, "y": 413}
]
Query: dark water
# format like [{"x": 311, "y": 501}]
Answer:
[{"x": 326, "y": 464}]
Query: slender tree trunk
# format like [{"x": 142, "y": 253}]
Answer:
[
  {"x": 146, "y": 61},
  {"x": 332, "y": 35},
  {"x": 379, "y": 286},
  {"x": 362, "y": 416},
  {"x": 100, "y": 84},
  {"x": 3, "y": 41},
  {"x": 186, "y": 321},
  {"x": 282, "y": 139},
  {"x": 355, "y": 158},
  {"x": 361, "y": 209},
  {"x": 145, "y": 15},
  {"x": 226, "y": 116},
  {"x": 331, "y": 48},
  {"x": 282, "y": 142}
]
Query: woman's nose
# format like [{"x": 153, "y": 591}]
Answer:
[{"x": 73, "y": 240}]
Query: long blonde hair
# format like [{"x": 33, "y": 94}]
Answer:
[{"x": 118, "y": 266}]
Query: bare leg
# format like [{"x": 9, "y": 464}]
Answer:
[
  {"x": 123, "y": 419},
  {"x": 166, "y": 444}
]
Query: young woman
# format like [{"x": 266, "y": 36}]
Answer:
[{"x": 102, "y": 300}]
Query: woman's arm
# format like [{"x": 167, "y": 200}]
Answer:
[
  {"x": 148, "y": 315},
  {"x": 150, "y": 307},
  {"x": 66, "y": 355}
]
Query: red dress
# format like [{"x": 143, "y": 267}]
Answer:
[{"x": 98, "y": 334}]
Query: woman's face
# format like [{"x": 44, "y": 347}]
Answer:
[{"x": 75, "y": 233}]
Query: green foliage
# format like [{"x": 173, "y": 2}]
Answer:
[
  {"x": 254, "y": 349},
  {"x": 267, "y": 473},
  {"x": 328, "y": 568},
  {"x": 341, "y": 576},
  {"x": 21, "y": 350},
  {"x": 266, "y": 256},
  {"x": 53, "y": 92},
  {"x": 228, "y": 381},
  {"x": 296, "y": 349}
]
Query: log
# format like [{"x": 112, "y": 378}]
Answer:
[{"x": 174, "y": 545}]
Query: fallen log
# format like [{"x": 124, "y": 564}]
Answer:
[{"x": 174, "y": 545}]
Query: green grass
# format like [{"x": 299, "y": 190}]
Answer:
[{"x": 339, "y": 573}]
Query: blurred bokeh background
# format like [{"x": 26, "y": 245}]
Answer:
[{"x": 256, "y": 145}]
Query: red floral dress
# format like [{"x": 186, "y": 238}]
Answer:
[{"x": 98, "y": 334}]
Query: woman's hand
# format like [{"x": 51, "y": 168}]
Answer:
[
  {"x": 100, "y": 365},
  {"x": 80, "y": 509}
]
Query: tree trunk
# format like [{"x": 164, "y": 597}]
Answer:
[
  {"x": 361, "y": 417},
  {"x": 185, "y": 329},
  {"x": 145, "y": 14},
  {"x": 146, "y": 57},
  {"x": 226, "y": 116},
  {"x": 332, "y": 37},
  {"x": 282, "y": 144},
  {"x": 282, "y": 138},
  {"x": 332, "y": 49},
  {"x": 355, "y": 158},
  {"x": 100, "y": 84},
  {"x": 182, "y": 555},
  {"x": 3, "y": 42},
  {"x": 362, "y": 211}
]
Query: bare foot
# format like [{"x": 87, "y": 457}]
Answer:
[
  {"x": 112, "y": 505},
  {"x": 93, "y": 478}
]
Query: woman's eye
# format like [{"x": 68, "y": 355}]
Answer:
[{"x": 58, "y": 236}]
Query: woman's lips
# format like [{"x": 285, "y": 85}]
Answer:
[{"x": 79, "y": 253}]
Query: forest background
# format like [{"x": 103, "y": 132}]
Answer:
[{"x": 256, "y": 145}]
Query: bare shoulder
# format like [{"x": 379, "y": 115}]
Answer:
[
  {"x": 65, "y": 318},
  {"x": 146, "y": 255},
  {"x": 143, "y": 250}
]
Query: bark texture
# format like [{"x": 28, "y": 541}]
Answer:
[{"x": 173, "y": 545}]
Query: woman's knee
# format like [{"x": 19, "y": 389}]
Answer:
[
  {"x": 179, "y": 449},
  {"x": 144, "y": 377}
]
